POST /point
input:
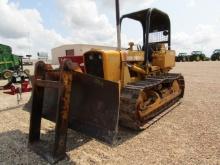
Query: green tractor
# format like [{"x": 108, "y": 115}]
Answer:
[
  {"x": 216, "y": 55},
  {"x": 182, "y": 57},
  {"x": 197, "y": 56},
  {"x": 8, "y": 62}
]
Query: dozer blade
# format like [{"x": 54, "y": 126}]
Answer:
[{"x": 94, "y": 106}]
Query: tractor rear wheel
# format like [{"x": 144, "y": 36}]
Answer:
[{"x": 7, "y": 74}]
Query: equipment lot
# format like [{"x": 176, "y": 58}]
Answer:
[{"x": 190, "y": 134}]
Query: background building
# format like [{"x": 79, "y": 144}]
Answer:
[{"x": 74, "y": 49}]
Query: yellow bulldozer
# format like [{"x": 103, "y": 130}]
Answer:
[
  {"x": 145, "y": 84},
  {"x": 127, "y": 87}
]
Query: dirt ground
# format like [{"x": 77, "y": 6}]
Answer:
[{"x": 190, "y": 134}]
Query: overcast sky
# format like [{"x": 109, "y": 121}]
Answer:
[{"x": 30, "y": 26}]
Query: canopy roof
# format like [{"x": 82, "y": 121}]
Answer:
[{"x": 158, "y": 20}]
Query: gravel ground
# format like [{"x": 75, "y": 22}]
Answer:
[{"x": 190, "y": 134}]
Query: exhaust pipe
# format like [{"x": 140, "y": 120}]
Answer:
[{"x": 118, "y": 24}]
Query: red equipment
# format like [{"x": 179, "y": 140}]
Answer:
[{"x": 12, "y": 89}]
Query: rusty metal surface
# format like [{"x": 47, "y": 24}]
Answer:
[
  {"x": 75, "y": 100},
  {"x": 62, "y": 115},
  {"x": 61, "y": 111},
  {"x": 94, "y": 106},
  {"x": 48, "y": 84}
]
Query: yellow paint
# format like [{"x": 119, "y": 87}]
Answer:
[
  {"x": 132, "y": 55},
  {"x": 138, "y": 69},
  {"x": 117, "y": 65},
  {"x": 111, "y": 65},
  {"x": 164, "y": 59},
  {"x": 125, "y": 75},
  {"x": 169, "y": 95}
]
